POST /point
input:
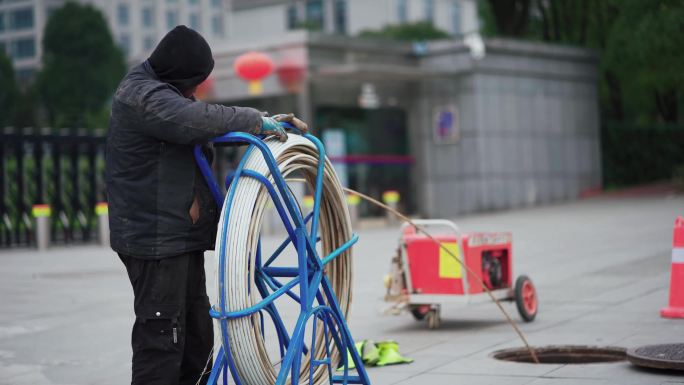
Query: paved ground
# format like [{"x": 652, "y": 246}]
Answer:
[{"x": 601, "y": 267}]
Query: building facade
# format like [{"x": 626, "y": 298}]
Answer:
[
  {"x": 136, "y": 25},
  {"x": 253, "y": 19},
  {"x": 21, "y": 32}
]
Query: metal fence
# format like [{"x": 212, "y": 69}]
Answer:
[{"x": 62, "y": 168}]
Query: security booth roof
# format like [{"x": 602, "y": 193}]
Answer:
[{"x": 339, "y": 58}]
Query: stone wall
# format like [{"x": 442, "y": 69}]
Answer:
[{"x": 528, "y": 115}]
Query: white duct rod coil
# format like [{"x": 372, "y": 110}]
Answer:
[{"x": 247, "y": 345}]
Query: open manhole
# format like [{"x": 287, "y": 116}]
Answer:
[
  {"x": 665, "y": 356},
  {"x": 564, "y": 354}
]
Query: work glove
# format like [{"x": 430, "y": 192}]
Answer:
[{"x": 271, "y": 125}]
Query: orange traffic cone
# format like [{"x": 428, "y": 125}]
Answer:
[{"x": 676, "y": 307}]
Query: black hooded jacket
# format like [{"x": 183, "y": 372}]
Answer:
[{"x": 151, "y": 174}]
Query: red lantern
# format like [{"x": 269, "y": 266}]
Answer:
[
  {"x": 291, "y": 72},
  {"x": 253, "y": 67}
]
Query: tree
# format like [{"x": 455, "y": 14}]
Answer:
[
  {"x": 9, "y": 92},
  {"x": 415, "y": 31},
  {"x": 25, "y": 109},
  {"x": 507, "y": 17},
  {"x": 644, "y": 50},
  {"x": 81, "y": 65},
  {"x": 560, "y": 21},
  {"x": 639, "y": 42}
]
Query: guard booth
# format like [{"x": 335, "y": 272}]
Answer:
[{"x": 451, "y": 132}]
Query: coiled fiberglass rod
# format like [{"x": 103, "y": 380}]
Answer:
[{"x": 250, "y": 198}]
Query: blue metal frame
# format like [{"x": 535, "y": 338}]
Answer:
[{"x": 314, "y": 286}]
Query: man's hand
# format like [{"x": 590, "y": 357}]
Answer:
[
  {"x": 272, "y": 126},
  {"x": 293, "y": 120}
]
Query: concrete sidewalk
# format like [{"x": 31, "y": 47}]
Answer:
[{"x": 601, "y": 268}]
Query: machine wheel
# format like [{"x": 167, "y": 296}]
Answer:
[
  {"x": 433, "y": 319},
  {"x": 420, "y": 311},
  {"x": 526, "y": 298}
]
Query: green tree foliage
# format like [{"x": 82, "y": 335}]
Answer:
[
  {"x": 506, "y": 17},
  {"x": 414, "y": 31},
  {"x": 81, "y": 66},
  {"x": 640, "y": 60},
  {"x": 561, "y": 21},
  {"x": 25, "y": 110},
  {"x": 645, "y": 52},
  {"x": 639, "y": 42},
  {"x": 9, "y": 91}
]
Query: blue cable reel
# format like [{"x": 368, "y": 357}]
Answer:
[{"x": 331, "y": 347}]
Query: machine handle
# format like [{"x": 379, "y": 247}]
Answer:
[
  {"x": 452, "y": 226},
  {"x": 434, "y": 223}
]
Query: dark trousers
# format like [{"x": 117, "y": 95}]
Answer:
[{"x": 173, "y": 333}]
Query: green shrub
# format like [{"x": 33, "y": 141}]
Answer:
[{"x": 678, "y": 177}]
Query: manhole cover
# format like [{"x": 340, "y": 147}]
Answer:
[
  {"x": 665, "y": 356},
  {"x": 563, "y": 354}
]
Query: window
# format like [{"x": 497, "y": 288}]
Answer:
[
  {"x": 429, "y": 10},
  {"x": 2, "y": 21},
  {"x": 456, "y": 17},
  {"x": 217, "y": 3},
  {"x": 125, "y": 43},
  {"x": 21, "y": 19},
  {"x": 23, "y": 48},
  {"x": 340, "y": 16},
  {"x": 192, "y": 1},
  {"x": 194, "y": 21},
  {"x": 122, "y": 14},
  {"x": 148, "y": 16},
  {"x": 292, "y": 17},
  {"x": 402, "y": 11},
  {"x": 3, "y": 48},
  {"x": 314, "y": 14},
  {"x": 148, "y": 43},
  {"x": 217, "y": 25},
  {"x": 171, "y": 19}
]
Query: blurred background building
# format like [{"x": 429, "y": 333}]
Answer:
[
  {"x": 136, "y": 25},
  {"x": 259, "y": 18},
  {"x": 21, "y": 31}
]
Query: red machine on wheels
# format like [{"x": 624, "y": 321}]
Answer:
[{"x": 424, "y": 277}]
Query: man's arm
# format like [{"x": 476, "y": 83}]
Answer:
[{"x": 174, "y": 118}]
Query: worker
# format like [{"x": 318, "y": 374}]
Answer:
[{"x": 162, "y": 215}]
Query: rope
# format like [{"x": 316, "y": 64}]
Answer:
[
  {"x": 299, "y": 156},
  {"x": 206, "y": 369}
]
